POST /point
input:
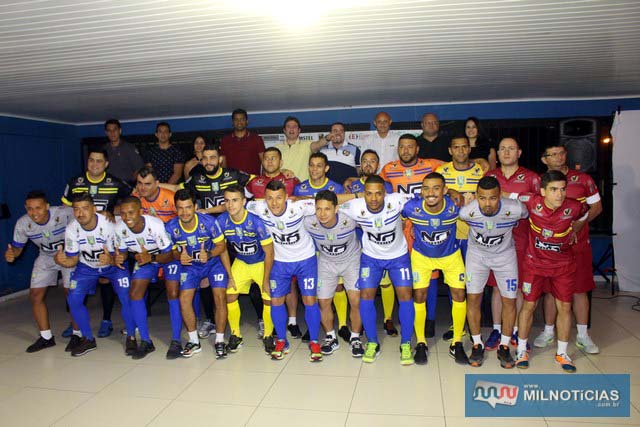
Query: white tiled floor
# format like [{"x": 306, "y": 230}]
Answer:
[{"x": 107, "y": 388}]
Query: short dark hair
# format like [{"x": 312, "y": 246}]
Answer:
[
  {"x": 327, "y": 195},
  {"x": 131, "y": 199},
  {"x": 82, "y": 197},
  {"x": 551, "y": 176},
  {"x": 374, "y": 179},
  {"x": 459, "y": 135},
  {"x": 369, "y": 151},
  {"x": 184, "y": 194},
  {"x": 291, "y": 119},
  {"x": 112, "y": 122},
  {"x": 488, "y": 183},
  {"x": 435, "y": 175},
  {"x": 36, "y": 194},
  {"x": 235, "y": 188},
  {"x": 167, "y": 125},
  {"x": 551, "y": 144},
  {"x": 338, "y": 124},
  {"x": 276, "y": 185},
  {"x": 145, "y": 171},
  {"x": 408, "y": 136},
  {"x": 211, "y": 146},
  {"x": 319, "y": 155},
  {"x": 239, "y": 111},
  {"x": 98, "y": 149},
  {"x": 275, "y": 150}
]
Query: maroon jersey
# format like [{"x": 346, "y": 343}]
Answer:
[
  {"x": 550, "y": 231},
  {"x": 581, "y": 187},
  {"x": 258, "y": 185},
  {"x": 521, "y": 182}
]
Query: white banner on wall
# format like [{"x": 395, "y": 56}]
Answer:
[
  {"x": 358, "y": 138},
  {"x": 626, "y": 198}
]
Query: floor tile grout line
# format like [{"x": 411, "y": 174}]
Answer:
[{"x": 353, "y": 395}]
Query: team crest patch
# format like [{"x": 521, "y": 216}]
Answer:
[
  {"x": 93, "y": 190},
  {"x": 152, "y": 211},
  {"x": 460, "y": 180},
  {"x": 468, "y": 278},
  {"x": 574, "y": 178},
  {"x": 202, "y": 228},
  {"x": 331, "y": 188},
  {"x": 165, "y": 203},
  {"x": 364, "y": 272},
  {"x": 435, "y": 222},
  {"x": 471, "y": 214},
  {"x": 238, "y": 231},
  {"x": 183, "y": 277},
  {"x": 140, "y": 241},
  {"x": 272, "y": 284},
  {"x": 280, "y": 225},
  {"x": 46, "y": 234},
  {"x": 176, "y": 232},
  {"x": 388, "y": 205},
  {"x": 489, "y": 225},
  {"x": 346, "y": 153},
  {"x": 331, "y": 236},
  {"x": 451, "y": 209},
  {"x": 319, "y": 283},
  {"x": 108, "y": 180},
  {"x": 378, "y": 223},
  {"x": 526, "y": 288},
  {"x": 69, "y": 242},
  {"x": 192, "y": 240},
  {"x": 73, "y": 284},
  {"x": 520, "y": 177},
  {"x": 539, "y": 207},
  {"x": 416, "y": 210},
  {"x": 567, "y": 211},
  {"x": 215, "y": 186},
  {"x": 408, "y": 172},
  {"x": 547, "y": 233},
  {"x": 416, "y": 277},
  {"x": 507, "y": 213},
  {"x": 362, "y": 212},
  {"x": 91, "y": 240},
  {"x": 303, "y": 186},
  {"x": 80, "y": 180}
]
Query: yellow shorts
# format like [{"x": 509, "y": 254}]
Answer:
[
  {"x": 244, "y": 275},
  {"x": 451, "y": 265}
]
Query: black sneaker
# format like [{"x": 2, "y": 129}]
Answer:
[
  {"x": 430, "y": 329},
  {"x": 421, "y": 356},
  {"x": 457, "y": 352},
  {"x": 448, "y": 336},
  {"x": 41, "y": 344},
  {"x": 344, "y": 333},
  {"x": 145, "y": 348},
  {"x": 294, "y": 330},
  {"x": 330, "y": 345},
  {"x": 73, "y": 342},
  {"x": 390, "y": 328},
  {"x": 505, "y": 357},
  {"x": 84, "y": 346},
  {"x": 190, "y": 349},
  {"x": 477, "y": 355},
  {"x": 306, "y": 337},
  {"x": 357, "y": 350},
  {"x": 130, "y": 346},
  {"x": 175, "y": 350},
  {"x": 269, "y": 344},
  {"x": 235, "y": 342},
  {"x": 221, "y": 350}
]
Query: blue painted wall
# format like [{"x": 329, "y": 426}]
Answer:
[{"x": 33, "y": 155}]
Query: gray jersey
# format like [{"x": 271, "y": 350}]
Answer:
[
  {"x": 338, "y": 244},
  {"x": 47, "y": 237},
  {"x": 493, "y": 234}
]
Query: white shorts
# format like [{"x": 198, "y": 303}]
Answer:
[
  {"x": 503, "y": 265},
  {"x": 45, "y": 273},
  {"x": 329, "y": 272}
]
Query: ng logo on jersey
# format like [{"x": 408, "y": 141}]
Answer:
[
  {"x": 334, "y": 250},
  {"x": 413, "y": 188},
  {"x": 382, "y": 238},
  {"x": 436, "y": 238},
  {"x": 92, "y": 256},
  {"x": 488, "y": 241},
  {"x": 245, "y": 248},
  {"x": 286, "y": 239},
  {"x": 52, "y": 247}
]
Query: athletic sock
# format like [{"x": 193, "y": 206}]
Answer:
[
  {"x": 419, "y": 323},
  {"x": 368, "y": 315},
  {"x": 268, "y": 323},
  {"x": 388, "y": 295},
  {"x": 477, "y": 339},
  {"x": 292, "y": 320},
  {"x": 193, "y": 337},
  {"x": 330, "y": 334},
  {"x": 176, "y": 319},
  {"x": 279, "y": 318},
  {"x": 355, "y": 335},
  {"x": 522, "y": 344},
  {"x": 47, "y": 335},
  {"x": 459, "y": 315},
  {"x": 497, "y": 327},
  {"x": 312, "y": 317},
  {"x": 219, "y": 337},
  {"x": 582, "y": 331},
  {"x": 548, "y": 329},
  {"x": 407, "y": 315},
  {"x": 233, "y": 309},
  {"x": 504, "y": 339},
  {"x": 139, "y": 311},
  {"x": 432, "y": 298},
  {"x": 77, "y": 332},
  {"x": 562, "y": 347},
  {"x": 341, "y": 302}
]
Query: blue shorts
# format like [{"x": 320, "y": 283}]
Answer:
[
  {"x": 372, "y": 269},
  {"x": 282, "y": 273},
  {"x": 150, "y": 271},
  {"x": 192, "y": 275},
  {"x": 171, "y": 271},
  {"x": 84, "y": 279}
]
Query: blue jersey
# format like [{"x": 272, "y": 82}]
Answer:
[
  {"x": 247, "y": 236},
  {"x": 205, "y": 231},
  {"x": 435, "y": 233},
  {"x": 307, "y": 189},
  {"x": 358, "y": 186}
]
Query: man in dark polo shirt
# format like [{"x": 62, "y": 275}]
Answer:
[
  {"x": 431, "y": 145},
  {"x": 242, "y": 150},
  {"x": 124, "y": 158},
  {"x": 165, "y": 158}
]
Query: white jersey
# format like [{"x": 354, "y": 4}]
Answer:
[
  {"x": 153, "y": 236},
  {"x": 291, "y": 241},
  {"x": 89, "y": 244},
  {"x": 382, "y": 236},
  {"x": 337, "y": 244},
  {"x": 386, "y": 148},
  {"x": 47, "y": 237}
]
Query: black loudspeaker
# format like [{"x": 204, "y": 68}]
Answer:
[{"x": 580, "y": 138}]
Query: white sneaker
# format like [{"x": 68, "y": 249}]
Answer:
[
  {"x": 206, "y": 329},
  {"x": 544, "y": 339},
  {"x": 587, "y": 345},
  {"x": 260, "y": 329}
]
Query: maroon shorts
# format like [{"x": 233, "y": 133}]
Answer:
[
  {"x": 559, "y": 281},
  {"x": 491, "y": 280},
  {"x": 584, "y": 269}
]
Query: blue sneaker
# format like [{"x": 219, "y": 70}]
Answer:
[
  {"x": 106, "y": 327},
  {"x": 493, "y": 341},
  {"x": 67, "y": 332}
]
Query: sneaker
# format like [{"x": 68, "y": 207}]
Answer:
[
  {"x": 587, "y": 345},
  {"x": 505, "y": 358},
  {"x": 565, "y": 362},
  {"x": 390, "y": 328},
  {"x": 493, "y": 341},
  {"x": 190, "y": 349},
  {"x": 315, "y": 351},
  {"x": 41, "y": 344},
  {"x": 84, "y": 346},
  {"x": 344, "y": 333},
  {"x": 269, "y": 344},
  {"x": 522, "y": 360},
  {"x": 123, "y": 331},
  {"x": 371, "y": 353},
  {"x": 477, "y": 356},
  {"x": 406, "y": 355},
  {"x": 456, "y": 351},
  {"x": 430, "y": 329},
  {"x": 330, "y": 345},
  {"x": 235, "y": 343},
  {"x": 357, "y": 350},
  {"x": 281, "y": 348},
  {"x": 421, "y": 355},
  {"x": 294, "y": 330},
  {"x": 306, "y": 337},
  {"x": 514, "y": 341},
  {"x": 145, "y": 348},
  {"x": 543, "y": 340},
  {"x": 175, "y": 350},
  {"x": 206, "y": 329},
  {"x": 67, "y": 332},
  {"x": 73, "y": 342},
  {"x": 221, "y": 350},
  {"x": 130, "y": 346},
  {"x": 260, "y": 329},
  {"x": 106, "y": 327},
  {"x": 448, "y": 336}
]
